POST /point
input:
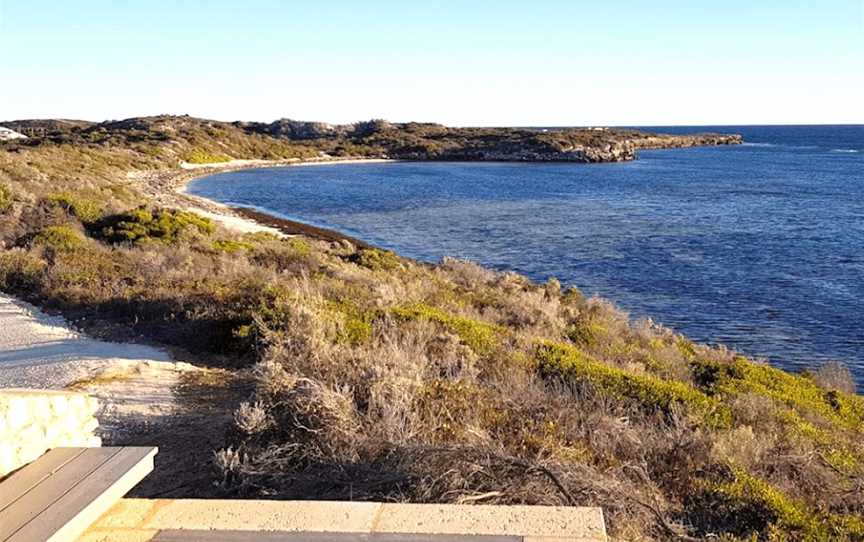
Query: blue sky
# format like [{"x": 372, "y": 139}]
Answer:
[{"x": 461, "y": 63}]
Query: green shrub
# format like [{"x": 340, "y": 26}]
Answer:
[
  {"x": 764, "y": 512},
  {"x": 585, "y": 333},
  {"x": 143, "y": 225},
  {"x": 797, "y": 391},
  {"x": 60, "y": 238},
  {"x": 84, "y": 209},
  {"x": 483, "y": 338},
  {"x": 201, "y": 156},
  {"x": 832, "y": 421},
  {"x": 300, "y": 246},
  {"x": 20, "y": 270},
  {"x": 559, "y": 360},
  {"x": 231, "y": 246},
  {"x": 376, "y": 260},
  {"x": 5, "y": 198},
  {"x": 355, "y": 324}
]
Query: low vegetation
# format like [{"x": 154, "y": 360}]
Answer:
[
  {"x": 87, "y": 210},
  {"x": 200, "y": 156},
  {"x": 377, "y": 377},
  {"x": 5, "y": 198},
  {"x": 143, "y": 225},
  {"x": 59, "y": 238}
]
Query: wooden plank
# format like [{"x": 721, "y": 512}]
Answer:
[
  {"x": 184, "y": 535},
  {"x": 92, "y": 496},
  {"x": 28, "y": 477},
  {"x": 21, "y": 512}
]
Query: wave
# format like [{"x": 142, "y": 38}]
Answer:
[{"x": 797, "y": 147}]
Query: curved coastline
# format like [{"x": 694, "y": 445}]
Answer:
[
  {"x": 177, "y": 182},
  {"x": 292, "y": 227}
]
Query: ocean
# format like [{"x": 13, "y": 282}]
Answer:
[{"x": 758, "y": 246}]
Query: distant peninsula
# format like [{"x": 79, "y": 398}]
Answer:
[{"x": 214, "y": 141}]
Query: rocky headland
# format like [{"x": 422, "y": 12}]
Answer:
[{"x": 215, "y": 142}]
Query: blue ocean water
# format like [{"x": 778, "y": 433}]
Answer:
[{"x": 758, "y": 246}]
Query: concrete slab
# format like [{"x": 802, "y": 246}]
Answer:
[
  {"x": 137, "y": 520},
  {"x": 544, "y": 521}
]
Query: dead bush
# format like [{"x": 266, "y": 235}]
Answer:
[{"x": 833, "y": 375}]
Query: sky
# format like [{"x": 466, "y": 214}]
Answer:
[{"x": 468, "y": 63}]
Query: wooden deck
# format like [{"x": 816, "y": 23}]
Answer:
[{"x": 58, "y": 496}]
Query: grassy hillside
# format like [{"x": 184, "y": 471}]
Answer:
[{"x": 377, "y": 377}]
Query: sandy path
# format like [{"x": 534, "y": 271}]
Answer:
[
  {"x": 41, "y": 351},
  {"x": 135, "y": 384}
]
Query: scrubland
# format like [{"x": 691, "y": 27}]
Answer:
[{"x": 378, "y": 377}]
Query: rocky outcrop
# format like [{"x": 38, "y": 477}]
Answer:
[
  {"x": 428, "y": 141},
  {"x": 614, "y": 148},
  {"x": 658, "y": 141}
]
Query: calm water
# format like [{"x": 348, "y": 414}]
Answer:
[{"x": 759, "y": 246}]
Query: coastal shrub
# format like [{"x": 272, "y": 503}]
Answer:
[
  {"x": 145, "y": 225},
  {"x": 376, "y": 260},
  {"x": 293, "y": 255},
  {"x": 834, "y": 376},
  {"x": 5, "y": 198},
  {"x": 483, "y": 338},
  {"x": 831, "y": 422},
  {"x": 86, "y": 210},
  {"x": 354, "y": 324},
  {"x": 763, "y": 512},
  {"x": 21, "y": 271},
  {"x": 60, "y": 238},
  {"x": 796, "y": 391},
  {"x": 251, "y": 418},
  {"x": 569, "y": 363},
  {"x": 466, "y": 273},
  {"x": 452, "y": 408},
  {"x": 585, "y": 332},
  {"x": 201, "y": 156},
  {"x": 299, "y": 246},
  {"x": 230, "y": 246}
]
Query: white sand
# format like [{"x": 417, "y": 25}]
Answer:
[
  {"x": 230, "y": 164},
  {"x": 234, "y": 223},
  {"x": 321, "y": 161},
  {"x": 41, "y": 351},
  {"x": 134, "y": 383}
]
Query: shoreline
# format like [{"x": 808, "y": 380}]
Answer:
[
  {"x": 169, "y": 188},
  {"x": 293, "y": 227}
]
